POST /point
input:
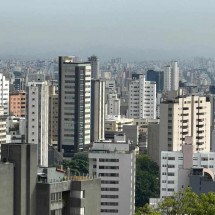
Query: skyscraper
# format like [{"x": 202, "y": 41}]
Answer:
[
  {"x": 171, "y": 76},
  {"x": 24, "y": 158},
  {"x": 115, "y": 163},
  {"x": 113, "y": 104},
  {"x": 37, "y": 118},
  {"x": 142, "y": 98},
  {"x": 94, "y": 61},
  {"x": 74, "y": 105},
  {"x": 185, "y": 116},
  {"x": 4, "y": 93},
  {"x": 175, "y": 75},
  {"x": 158, "y": 77},
  {"x": 53, "y": 116},
  {"x": 97, "y": 109}
]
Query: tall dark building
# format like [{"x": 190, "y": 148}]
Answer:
[
  {"x": 74, "y": 106},
  {"x": 158, "y": 77},
  {"x": 24, "y": 159},
  {"x": 98, "y": 109},
  {"x": 94, "y": 61}
]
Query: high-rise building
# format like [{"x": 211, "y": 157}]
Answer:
[
  {"x": 4, "y": 93},
  {"x": 142, "y": 98},
  {"x": 113, "y": 104},
  {"x": 97, "y": 109},
  {"x": 177, "y": 169},
  {"x": 19, "y": 84},
  {"x": 175, "y": 75},
  {"x": 3, "y": 128},
  {"x": 108, "y": 160},
  {"x": 74, "y": 106},
  {"x": 37, "y": 118},
  {"x": 18, "y": 103},
  {"x": 53, "y": 116},
  {"x": 158, "y": 77},
  {"x": 185, "y": 116},
  {"x": 24, "y": 158},
  {"x": 6, "y": 188},
  {"x": 58, "y": 193},
  {"x": 94, "y": 61},
  {"x": 171, "y": 77}
]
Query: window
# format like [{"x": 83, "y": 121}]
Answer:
[{"x": 171, "y": 173}]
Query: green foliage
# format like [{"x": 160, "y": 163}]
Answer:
[
  {"x": 147, "y": 180},
  {"x": 78, "y": 164},
  {"x": 186, "y": 202}
]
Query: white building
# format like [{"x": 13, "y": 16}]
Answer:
[
  {"x": 176, "y": 167},
  {"x": 4, "y": 93},
  {"x": 142, "y": 99},
  {"x": 113, "y": 104},
  {"x": 171, "y": 77},
  {"x": 185, "y": 116},
  {"x": 115, "y": 163},
  {"x": 37, "y": 118},
  {"x": 74, "y": 106},
  {"x": 174, "y": 76},
  {"x": 3, "y": 128}
]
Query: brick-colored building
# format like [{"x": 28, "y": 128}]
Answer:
[{"x": 18, "y": 103}]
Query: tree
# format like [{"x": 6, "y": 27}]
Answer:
[
  {"x": 78, "y": 164},
  {"x": 183, "y": 202},
  {"x": 147, "y": 180}
]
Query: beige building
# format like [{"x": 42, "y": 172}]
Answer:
[
  {"x": 53, "y": 116},
  {"x": 18, "y": 103},
  {"x": 115, "y": 123},
  {"x": 185, "y": 116}
]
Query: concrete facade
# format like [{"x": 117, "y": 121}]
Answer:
[
  {"x": 67, "y": 195},
  {"x": 97, "y": 126},
  {"x": 4, "y": 93},
  {"x": 153, "y": 142},
  {"x": 176, "y": 168},
  {"x": 107, "y": 160},
  {"x": 74, "y": 106},
  {"x": 24, "y": 158},
  {"x": 18, "y": 103},
  {"x": 142, "y": 99},
  {"x": 94, "y": 61},
  {"x": 7, "y": 188},
  {"x": 185, "y": 116},
  {"x": 53, "y": 116},
  {"x": 38, "y": 118}
]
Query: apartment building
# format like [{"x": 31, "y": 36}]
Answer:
[
  {"x": 97, "y": 126},
  {"x": 185, "y": 116},
  {"x": 176, "y": 168},
  {"x": 142, "y": 98},
  {"x": 4, "y": 93},
  {"x": 37, "y": 118},
  {"x": 115, "y": 163},
  {"x": 171, "y": 77},
  {"x": 74, "y": 106},
  {"x": 116, "y": 123},
  {"x": 113, "y": 104},
  {"x": 18, "y": 103},
  {"x": 53, "y": 116}
]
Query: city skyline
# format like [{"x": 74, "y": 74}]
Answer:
[{"x": 153, "y": 29}]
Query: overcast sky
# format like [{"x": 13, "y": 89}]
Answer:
[{"x": 142, "y": 29}]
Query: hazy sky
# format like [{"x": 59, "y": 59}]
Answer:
[{"x": 140, "y": 29}]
